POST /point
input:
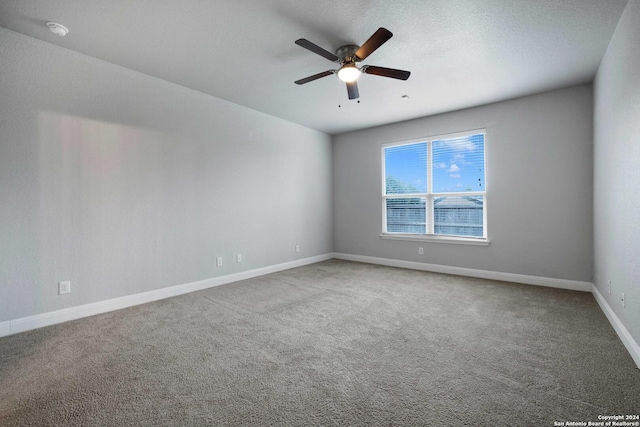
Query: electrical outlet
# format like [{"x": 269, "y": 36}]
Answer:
[
  {"x": 297, "y": 248},
  {"x": 623, "y": 301},
  {"x": 420, "y": 251},
  {"x": 609, "y": 287},
  {"x": 64, "y": 287},
  {"x": 219, "y": 261},
  {"x": 239, "y": 258}
]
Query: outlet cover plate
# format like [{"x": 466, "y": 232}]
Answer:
[{"x": 64, "y": 287}]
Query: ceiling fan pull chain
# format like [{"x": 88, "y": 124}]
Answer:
[{"x": 338, "y": 92}]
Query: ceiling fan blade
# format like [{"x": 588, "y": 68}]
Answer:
[
  {"x": 352, "y": 90},
  {"x": 386, "y": 72},
  {"x": 317, "y": 49},
  {"x": 375, "y": 41},
  {"x": 314, "y": 77}
]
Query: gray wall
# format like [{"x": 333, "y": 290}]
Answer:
[
  {"x": 124, "y": 183},
  {"x": 617, "y": 172},
  {"x": 539, "y": 187}
]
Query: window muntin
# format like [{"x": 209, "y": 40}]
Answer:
[{"x": 445, "y": 179}]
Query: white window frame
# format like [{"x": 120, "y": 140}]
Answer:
[{"x": 430, "y": 236}]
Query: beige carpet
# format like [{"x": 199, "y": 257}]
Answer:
[{"x": 331, "y": 344}]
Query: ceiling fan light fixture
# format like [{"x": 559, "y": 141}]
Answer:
[{"x": 349, "y": 73}]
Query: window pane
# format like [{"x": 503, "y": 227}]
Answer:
[
  {"x": 458, "y": 164},
  {"x": 406, "y": 215},
  {"x": 406, "y": 169},
  {"x": 458, "y": 216}
]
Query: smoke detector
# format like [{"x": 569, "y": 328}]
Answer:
[{"x": 57, "y": 29}]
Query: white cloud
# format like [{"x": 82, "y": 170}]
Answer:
[
  {"x": 440, "y": 165},
  {"x": 465, "y": 144},
  {"x": 459, "y": 158},
  {"x": 454, "y": 168},
  {"x": 454, "y": 175},
  {"x": 457, "y": 144}
]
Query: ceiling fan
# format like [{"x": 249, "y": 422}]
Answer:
[{"x": 348, "y": 56}]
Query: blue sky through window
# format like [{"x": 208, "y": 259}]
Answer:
[
  {"x": 406, "y": 168},
  {"x": 458, "y": 164}
]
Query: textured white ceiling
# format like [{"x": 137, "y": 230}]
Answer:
[{"x": 461, "y": 53}]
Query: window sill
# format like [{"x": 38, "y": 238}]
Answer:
[{"x": 436, "y": 239}]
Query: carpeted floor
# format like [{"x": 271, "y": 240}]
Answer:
[{"x": 330, "y": 344}]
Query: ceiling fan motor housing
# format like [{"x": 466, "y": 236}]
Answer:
[{"x": 347, "y": 53}]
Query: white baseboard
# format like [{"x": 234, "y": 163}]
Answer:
[
  {"x": 573, "y": 285},
  {"x": 5, "y": 328},
  {"x": 51, "y": 318},
  {"x": 632, "y": 346}
]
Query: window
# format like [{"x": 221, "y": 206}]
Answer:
[{"x": 435, "y": 188}]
